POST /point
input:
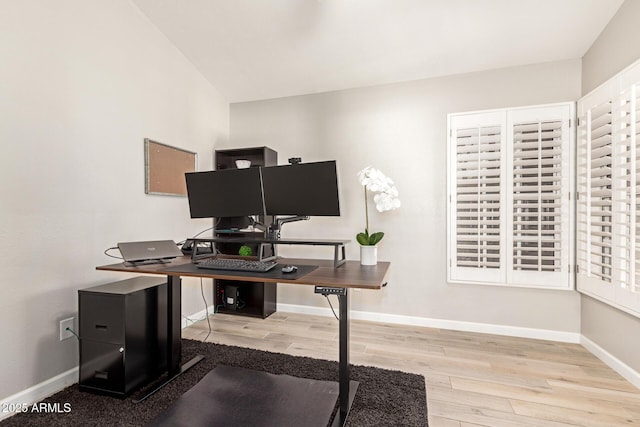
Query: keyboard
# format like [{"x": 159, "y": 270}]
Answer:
[{"x": 236, "y": 265}]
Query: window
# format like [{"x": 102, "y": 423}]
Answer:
[
  {"x": 509, "y": 191},
  {"x": 608, "y": 207}
]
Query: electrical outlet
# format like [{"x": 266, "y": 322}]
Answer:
[{"x": 64, "y": 324}]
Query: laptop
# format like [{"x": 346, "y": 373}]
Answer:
[{"x": 151, "y": 251}]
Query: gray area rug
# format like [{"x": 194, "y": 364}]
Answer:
[{"x": 384, "y": 398}]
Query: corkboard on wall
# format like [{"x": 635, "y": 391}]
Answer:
[{"x": 165, "y": 167}]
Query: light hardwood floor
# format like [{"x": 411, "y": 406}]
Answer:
[{"x": 471, "y": 379}]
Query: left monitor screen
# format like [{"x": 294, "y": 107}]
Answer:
[{"x": 225, "y": 193}]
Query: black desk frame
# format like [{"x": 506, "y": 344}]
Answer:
[
  {"x": 347, "y": 388},
  {"x": 174, "y": 339}
]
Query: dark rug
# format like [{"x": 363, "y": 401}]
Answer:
[{"x": 384, "y": 398}]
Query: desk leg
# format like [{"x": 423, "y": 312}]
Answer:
[
  {"x": 174, "y": 331},
  {"x": 347, "y": 388},
  {"x": 174, "y": 339}
]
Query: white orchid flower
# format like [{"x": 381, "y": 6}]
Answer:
[{"x": 385, "y": 199}]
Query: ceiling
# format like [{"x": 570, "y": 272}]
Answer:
[{"x": 261, "y": 49}]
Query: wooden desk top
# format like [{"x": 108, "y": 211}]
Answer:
[{"x": 350, "y": 275}]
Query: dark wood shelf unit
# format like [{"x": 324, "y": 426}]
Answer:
[
  {"x": 259, "y": 156},
  {"x": 259, "y": 299}
]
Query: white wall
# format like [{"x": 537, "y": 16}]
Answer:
[
  {"x": 81, "y": 85},
  {"x": 401, "y": 129},
  {"x": 617, "y": 47}
]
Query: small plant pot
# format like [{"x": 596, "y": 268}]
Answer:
[{"x": 368, "y": 255}]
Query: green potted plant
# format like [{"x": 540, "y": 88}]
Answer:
[{"x": 385, "y": 198}]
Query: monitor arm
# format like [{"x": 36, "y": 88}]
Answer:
[
  {"x": 276, "y": 225},
  {"x": 257, "y": 224}
]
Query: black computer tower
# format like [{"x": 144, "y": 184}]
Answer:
[
  {"x": 123, "y": 335},
  {"x": 232, "y": 297}
]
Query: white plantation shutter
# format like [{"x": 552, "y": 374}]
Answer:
[
  {"x": 541, "y": 185},
  {"x": 476, "y": 192},
  {"x": 623, "y": 200},
  {"x": 608, "y": 253},
  {"x": 600, "y": 191},
  {"x": 509, "y": 187},
  {"x": 635, "y": 188}
]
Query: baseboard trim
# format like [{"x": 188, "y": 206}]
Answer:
[
  {"x": 196, "y": 317},
  {"x": 626, "y": 371},
  {"x": 59, "y": 382},
  {"x": 38, "y": 392},
  {"x": 485, "y": 328},
  {"x": 610, "y": 360}
]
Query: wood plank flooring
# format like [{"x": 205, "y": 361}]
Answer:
[{"x": 471, "y": 379}]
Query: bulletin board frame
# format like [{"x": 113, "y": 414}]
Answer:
[{"x": 165, "y": 166}]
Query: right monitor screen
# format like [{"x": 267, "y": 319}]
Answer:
[{"x": 306, "y": 189}]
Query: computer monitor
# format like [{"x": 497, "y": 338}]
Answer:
[
  {"x": 225, "y": 193},
  {"x": 304, "y": 189}
]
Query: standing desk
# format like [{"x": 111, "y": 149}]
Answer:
[{"x": 349, "y": 275}]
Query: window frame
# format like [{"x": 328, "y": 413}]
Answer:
[
  {"x": 506, "y": 275},
  {"x": 622, "y": 290}
]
